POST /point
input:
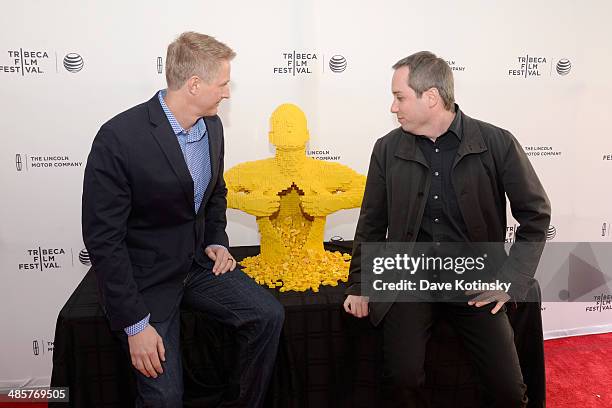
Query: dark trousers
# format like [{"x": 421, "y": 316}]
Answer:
[
  {"x": 488, "y": 338},
  {"x": 233, "y": 299}
]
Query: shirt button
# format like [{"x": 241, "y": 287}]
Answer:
[
  {"x": 436, "y": 150},
  {"x": 436, "y": 220},
  {"x": 436, "y": 173},
  {"x": 436, "y": 197}
]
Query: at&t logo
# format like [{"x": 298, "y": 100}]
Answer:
[
  {"x": 564, "y": 66},
  {"x": 337, "y": 63},
  {"x": 552, "y": 233},
  {"x": 84, "y": 257},
  {"x": 73, "y": 62}
]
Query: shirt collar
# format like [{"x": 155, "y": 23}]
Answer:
[
  {"x": 197, "y": 131},
  {"x": 456, "y": 125},
  {"x": 455, "y": 128}
]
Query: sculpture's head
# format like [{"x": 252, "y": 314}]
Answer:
[{"x": 288, "y": 127}]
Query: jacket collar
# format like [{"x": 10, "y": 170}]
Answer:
[{"x": 471, "y": 141}]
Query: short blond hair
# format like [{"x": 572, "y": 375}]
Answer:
[{"x": 194, "y": 54}]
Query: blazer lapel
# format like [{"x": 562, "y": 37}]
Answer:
[{"x": 165, "y": 137}]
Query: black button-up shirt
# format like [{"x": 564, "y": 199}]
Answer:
[{"x": 442, "y": 218}]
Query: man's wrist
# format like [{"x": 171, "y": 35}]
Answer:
[{"x": 138, "y": 326}]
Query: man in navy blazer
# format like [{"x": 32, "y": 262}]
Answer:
[{"x": 154, "y": 203}]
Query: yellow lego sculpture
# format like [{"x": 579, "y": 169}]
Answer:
[{"x": 290, "y": 195}]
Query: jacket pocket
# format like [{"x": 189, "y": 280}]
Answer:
[{"x": 142, "y": 257}]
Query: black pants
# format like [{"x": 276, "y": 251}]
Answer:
[{"x": 487, "y": 337}]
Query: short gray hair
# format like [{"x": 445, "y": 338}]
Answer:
[
  {"x": 427, "y": 71},
  {"x": 194, "y": 54}
]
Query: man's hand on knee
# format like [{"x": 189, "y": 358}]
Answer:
[
  {"x": 146, "y": 351},
  {"x": 356, "y": 305},
  {"x": 223, "y": 259},
  {"x": 489, "y": 296}
]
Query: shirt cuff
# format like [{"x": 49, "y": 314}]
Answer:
[
  {"x": 215, "y": 246},
  {"x": 137, "y": 327}
]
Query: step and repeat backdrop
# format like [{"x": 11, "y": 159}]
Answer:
[{"x": 539, "y": 69}]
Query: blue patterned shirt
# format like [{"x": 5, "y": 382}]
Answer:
[{"x": 194, "y": 145}]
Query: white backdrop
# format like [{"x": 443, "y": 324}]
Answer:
[{"x": 505, "y": 57}]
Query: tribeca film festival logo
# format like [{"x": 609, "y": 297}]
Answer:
[
  {"x": 40, "y": 347},
  {"x": 27, "y": 162},
  {"x": 305, "y": 63},
  {"x": 323, "y": 154},
  {"x": 43, "y": 259},
  {"x": 528, "y": 66},
  {"x": 602, "y": 303},
  {"x": 541, "y": 152},
  {"x": 37, "y": 62},
  {"x": 512, "y": 229}
]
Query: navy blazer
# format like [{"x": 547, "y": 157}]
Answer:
[{"x": 139, "y": 223}]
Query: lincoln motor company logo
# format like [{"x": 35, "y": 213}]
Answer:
[
  {"x": 323, "y": 154},
  {"x": 542, "y": 151},
  {"x": 605, "y": 229},
  {"x": 455, "y": 66},
  {"x": 42, "y": 346},
  {"x": 160, "y": 65},
  {"x": 24, "y": 161},
  {"x": 18, "y": 162}
]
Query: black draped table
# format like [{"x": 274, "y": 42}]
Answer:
[{"x": 326, "y": 357}]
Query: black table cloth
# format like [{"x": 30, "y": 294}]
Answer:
[{"x": 326, "y": 357}]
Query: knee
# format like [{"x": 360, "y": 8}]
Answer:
[
  {"x": 268, "y": 318},
  {"x": 275, "y": 315}
]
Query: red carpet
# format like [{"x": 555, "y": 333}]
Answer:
[{"x": 579, "y": 371}]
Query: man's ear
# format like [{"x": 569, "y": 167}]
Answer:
[
  {"x": 433, "y": 97},
  {"x": 193, "y": 84}
]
